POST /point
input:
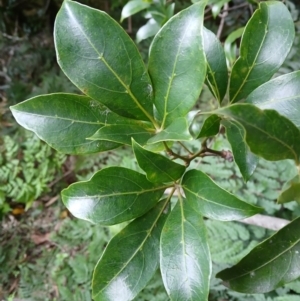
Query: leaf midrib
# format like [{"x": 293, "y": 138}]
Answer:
[
  {"x": 213, "y": 202},
  {"x": 171, "y": 80},
  {"x": 253, "y": 63},
  {"x": 127, "y": 88},
  {"x": 140, "y": 246},
  {"x": 121, "y": 193},
  {"x": 62, "y": 118},
  {"x": 270, "y": 261},
  {"x": 267, "y": 134}
]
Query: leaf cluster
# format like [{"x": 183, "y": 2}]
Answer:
[{"x": 150, "y": 108}]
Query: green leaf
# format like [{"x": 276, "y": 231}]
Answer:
[
  {"x": 269, "y": 265},
  {"x": 178, "y": 130},
  {"x": 210, "y": 127},
  {"x": 123, "y": 134},
  {"x": 245, "y": 160},
  {"x": 132, "y": 7},
  {"x": 98, "y": 56},
  {"x": 213, "y": 201},
  {"x": 64, "y": 121},
  {"x": 158, "y": 168},
  {"x": 113, "y": 195},
  {"x": 217, "y": 6},
  {"x": 148, "y": 30},
  {"x": 291, "y": 191},
  {"x": 185, "y": 258},
  {"x": 268, "y": 134},
  {"x": 266, "y": 42},
  {"x": 177, "y": 64},
  {"x": 217, "y": 74},
  {"x": 230, "y": 47},
  {"x": 281, "y": 94},
  {"x": 122, "y": 273}
]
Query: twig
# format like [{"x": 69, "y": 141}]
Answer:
[
  {"x": 222, "y": 22},
  {"x": 171, "y": 153},
  {"x": 185, "y": 148}
]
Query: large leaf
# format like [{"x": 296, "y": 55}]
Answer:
[
  {"x": 102, "y": 61},
  {"x": 281, "y": 94},
  {"x": 245, "y": 160},
  {"x": 177, "y": 64},
  {"x": 268, "y": 134},
  {"x": 113, "y": 195},
  {"x": 130, "y": 259},
  {"x": 178, "y": 130},
  {"x": 123, "y": 134},
  {"x": 266, "y": 42},
  {"x": 185, "y": 259},
  {"x": 132, "y": 7},
  {"x": 213, "y": 201},
  {"x": 271, "y": 264},
  {"x": 217, "y": 74},
  {"x": 158, "y": 168},
  {"x": 64, "y": 121}
]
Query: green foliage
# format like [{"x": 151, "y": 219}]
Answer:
[
  {"x": 126, "y": 102},
  {"x": 157, "y": 14},
  {"x": 27, "y": 167}
]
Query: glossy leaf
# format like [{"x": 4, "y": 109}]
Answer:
[
  {"x": 176, "y": 131},
  {"x": 121, "y": 274},
  {"x": 217, "y": 74},
  {"x": 281, "y": 94},
  {"x": 64, "y": 121},
  {"x": 266, "y": 42},
  {"x": 132, "y": 7},
  {"x": 123, "y": 134},
  {"x": 291, "y": 191},
  {"x": 184, "y": 254},
  {"x": 210, "y": 127},
  {"x": 177, "y": 64},
  {"x": 213, "y": 201},
  {"x": 271, "y": 264},
  {"x": 98, "y": 56},
  {"x": 148, "y": 30},
  {"x": 268, "y": 134},
  {"x": 245, "y": 160},
  {"x": 158, "y": 168},
  {"x": 113, "y": 195}
]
